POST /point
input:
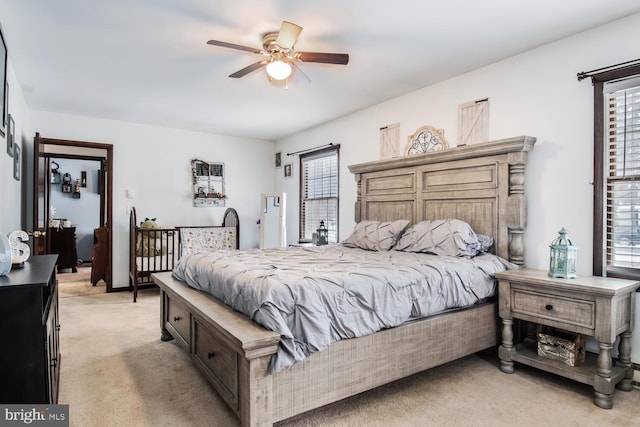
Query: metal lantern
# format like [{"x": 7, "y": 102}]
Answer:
[
  {"x": 562, "y": 262},
  {"x": 323, "y": 234}
]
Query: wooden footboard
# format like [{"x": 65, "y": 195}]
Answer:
[
  {"x": 349, "y": 367},
  {"x": 233, "y": 353}
]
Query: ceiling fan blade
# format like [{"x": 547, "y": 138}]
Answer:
[
  {"x": 288, "y": 35},
  {"x": 246, "y": 70},
  {"x": 234, "y": 46},
  {"x": 323, "y": 58}
]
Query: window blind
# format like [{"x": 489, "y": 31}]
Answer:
[
  {"x": 319, "y": 194},
  {"x": 622, "y": 173}
]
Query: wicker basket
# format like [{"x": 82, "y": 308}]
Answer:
[{"x": 561, "y": 345}]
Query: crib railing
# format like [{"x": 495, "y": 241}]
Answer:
[{"x": 156, "y": 250}]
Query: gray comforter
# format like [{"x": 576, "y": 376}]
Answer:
[{"x": 313, "y": 296}]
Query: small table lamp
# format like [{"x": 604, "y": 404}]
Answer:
[{"x": 562, "y": 261}]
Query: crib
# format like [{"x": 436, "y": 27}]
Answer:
[{"x": 159, "y": 249}]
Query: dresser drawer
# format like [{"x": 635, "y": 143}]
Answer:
[
  {"x": 219, "y": 362},
  {"x": 178, "y": 317},
  {"x": 565, "y": 310}
]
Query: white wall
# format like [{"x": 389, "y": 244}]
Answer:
[
  {"x": 537, "y": 94},
  {"x": 11, "y": 191},
  {"x": 154, "y": 163}
]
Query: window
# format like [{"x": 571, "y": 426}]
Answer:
[
  {"x": 319, "y": 193},
  {"x": 622, "y": 160},
  {"x": 617, "y": 173}
]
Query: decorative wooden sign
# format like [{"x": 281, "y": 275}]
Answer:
[
  {"x": 426, "y": 139},
  {"x": 473, "y": 122}
]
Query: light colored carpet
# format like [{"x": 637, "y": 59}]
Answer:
[
  {"x": 115, "y": 371},
  {"x": 78, "y": 284}
]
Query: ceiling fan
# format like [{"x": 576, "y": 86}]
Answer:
[{"x": 280, "y": 58}]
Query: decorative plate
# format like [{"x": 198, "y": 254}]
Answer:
[{"x": 5, "y": 255}]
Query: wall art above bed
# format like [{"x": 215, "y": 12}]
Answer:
[
  {"x": 426, "y": 139},
  {"x": 208, "y": 183},
  {"x": 473, "y": 122}
]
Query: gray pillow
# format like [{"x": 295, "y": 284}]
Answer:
[
  {"x": 450, "y": 237},
  {"x": 376, "y": 235},
  {"x": 484, "y": 243}
]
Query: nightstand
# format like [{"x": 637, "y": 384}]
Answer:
[{"x": 598, "y": 307}]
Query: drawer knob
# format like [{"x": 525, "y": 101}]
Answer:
[
  {"x": 211, "y": 355},
  {"x": 175, "y": 319},
  {"x": 549, "y": 307}
]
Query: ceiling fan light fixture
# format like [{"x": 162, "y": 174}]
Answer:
[
  {"x": 279, "y": 69},
  {"x": 279, "y": 57}
]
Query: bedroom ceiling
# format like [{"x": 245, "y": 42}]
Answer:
[{"x": 147, "y": 61}]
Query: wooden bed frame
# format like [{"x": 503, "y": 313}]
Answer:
[
  {"x": 140, "y": 276},
  {"x": 482, "y": 184}
]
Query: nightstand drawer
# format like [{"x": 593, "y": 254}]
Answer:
[{"x": 570, "y": 311}]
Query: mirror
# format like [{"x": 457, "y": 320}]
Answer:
[{"x": 272, "y": 221}]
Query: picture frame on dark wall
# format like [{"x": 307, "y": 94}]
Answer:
[
  {"x": 10, "y": 135},
  {"x": 4, "y": 87},
  {"x": 16, "y": 161}
]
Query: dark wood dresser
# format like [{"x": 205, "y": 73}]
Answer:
[
  {"x": 63, "y": 243},
  {"x": 29, "y": 333}
]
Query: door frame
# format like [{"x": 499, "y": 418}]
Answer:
[{"x": 71, "y": 149}]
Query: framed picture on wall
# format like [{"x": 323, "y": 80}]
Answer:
[
  {"x": 288, "y": 170},
  {"x": 10, "y": 136},
  {"x": 278, "y": 159},
  {"x": 16, "y": 161},
  {"x": 4, "y": 87}
]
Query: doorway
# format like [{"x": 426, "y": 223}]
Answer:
[{"x": 49, "y": 154}]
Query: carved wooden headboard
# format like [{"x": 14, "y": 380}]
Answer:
[{"x": 481, "y": 184}]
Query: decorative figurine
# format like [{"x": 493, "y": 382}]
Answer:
[{"x": 20, "y": 251}]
